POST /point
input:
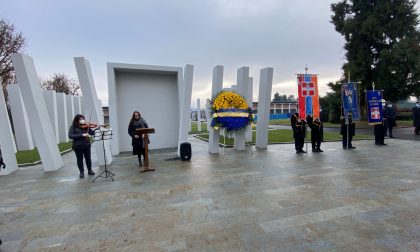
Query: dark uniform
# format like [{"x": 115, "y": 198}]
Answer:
[
  {"x": 416, "y": 119},
  {"x": 351, "y": 129},
  {"x": 298, "y": 127},
  {"x": 390, "y": 122},
  {"x": 379, "y": 132},
  {"x": 316, "y": 133}
]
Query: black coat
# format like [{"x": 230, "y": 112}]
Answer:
[
  {"x": 298, "y": 127},
  {"x": 416, "y": 117},
  {"x": 136, "y": 142},
  {"x": 317, "y": 129},
  {"x": 351, "y": 126},
  {"x": 79, "y": 141},
  {"x": 389, "y": 116}
]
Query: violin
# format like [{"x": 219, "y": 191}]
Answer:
[{"x": 89, "y": 125}]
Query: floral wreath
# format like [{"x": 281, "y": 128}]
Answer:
[{"x": 230, "y": 111}]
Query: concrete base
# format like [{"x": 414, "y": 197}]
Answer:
[{"x": 275, "y": 200}]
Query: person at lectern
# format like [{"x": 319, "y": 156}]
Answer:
[
  {"x": 137, "y": 122},
  {"x": 80, "y": 132}
]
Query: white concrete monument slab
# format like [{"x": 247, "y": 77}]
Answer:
[
  {"x": 92, "y": 106},
  {"x": 39, "y": 118},
  {"x": 77, "y": 105},
  {"x": 242, "y": 82},
  {"x": 63, "y": 124},
  {"x": 198, "y": 115},
  {"x": 248, "y": 133},
  {"x": 7, "y": 143},
  {"x": 186, "y": 90},
  {"x": 264, "y": 100},
  {"x": 50, "y": 97},
  {"x": 217, "y": 85},
  {"x": 156, "y": 92},
  {"x": 70, "y": 108},
  {"x": 21, "y": 125}
]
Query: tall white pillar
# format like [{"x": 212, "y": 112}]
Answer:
[
  {"x": 50, "y": 97},
  {"x": 242, "y": 81},
  {"x": 21, "y": 125},
  {"x": 7, "y": 143},
  {"x": 217, "y": 85},
  {"x": 185, "y": 103},
  {"x": 282, "y": 108},
  {"x": 266, "y": 83},
  {"x": 77, "y": 105},
  {"x": 63, "y": 124},
  {"x": 70, "y": 108},
  {"x": 40, "y": 120},
  {"x": 198, "y": 115},
  {"x": 92, "y": 106},
  {"x": 289, "y": 108},
  {"x": 248, "y": 134}
]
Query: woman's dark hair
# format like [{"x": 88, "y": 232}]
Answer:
[
  {"x": 132, "y": 116},
  {"x": 77, "y": 119}
]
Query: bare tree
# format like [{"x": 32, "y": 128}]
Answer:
[
  {"x": 11, "y": 42},
  {"x": 62, "y": 83}
]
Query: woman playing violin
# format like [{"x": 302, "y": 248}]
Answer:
[{"x": 79, "y": 132}]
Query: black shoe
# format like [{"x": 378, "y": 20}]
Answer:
[
  {"x": 302, "y": 151},
  {"x": 315, "y": 150},
  {"x": 319, "y": 150},
  {"x": 345, "y": 148},
  {"x": 384, "y": 144},
  {"x": 82, "y": 175},
  {"x": 352, "y": 147},
  {"x": 391, "y": 137},
  {"x": 378, "y": 144},
  {"x": 91, "y": 172},
  {"x": 298, "y": 152}
]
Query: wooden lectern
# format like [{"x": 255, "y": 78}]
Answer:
[{"x": 145, "y": 132}]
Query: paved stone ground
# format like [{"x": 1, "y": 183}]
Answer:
[{"x": 367, "y": 199}]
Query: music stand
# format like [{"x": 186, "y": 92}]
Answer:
[
  {"x": 103, "y": 134},
  {"x": 145, "y": 132}
]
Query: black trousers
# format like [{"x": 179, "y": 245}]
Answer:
[
  {"x": 316, "y": 141},
  {"x": 379, "y": 132},
  {"x": 299, "y": 143},
  {"x": 345, "y": 140},
  {"x": 80, "y": 152},
  {"x": 417, "y": 129}
]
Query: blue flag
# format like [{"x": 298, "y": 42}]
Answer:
[
  {"x": 374, "y": 106},
  {"x": 349, "y": 97}
]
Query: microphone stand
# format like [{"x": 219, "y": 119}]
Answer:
[{"x": 103, "y": 134}]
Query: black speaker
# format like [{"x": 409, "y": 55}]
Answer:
[{"x": 185, "y": 151}]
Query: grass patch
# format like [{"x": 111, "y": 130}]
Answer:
[
  {"x": 194, "y": 128},
  {"x": 31, "y": 156},
  {"x": 284, "y": 136}
]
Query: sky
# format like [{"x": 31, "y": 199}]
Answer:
[{"x": 286, "y": 35}]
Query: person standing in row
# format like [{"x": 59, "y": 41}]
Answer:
[
  {"x": 137, "y": 122},
  {"x": 316, "y": 133},
  {"x": 79, "y": 132},
  {"x": 390, "y": 119},
  {"x": 349, "y": 127},
  {"x": 416, "y": 118},
  {"x": 298, "y": 127}
]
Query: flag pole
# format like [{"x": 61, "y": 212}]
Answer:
[{"x": 306, "y": 124}]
